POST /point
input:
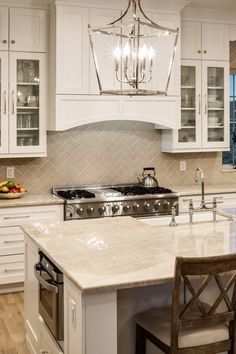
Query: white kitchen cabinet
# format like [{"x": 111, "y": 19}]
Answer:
[
  {"x": 23, "y": 29},
  {"x": 12, "y": 236},
  {"x": 31, "y": 299},
  {"x": 3, "y": 28},
  {"x": 72, "y": 50},
  {"x": 74, "y": 87},
  {"x": 204, "y": 109},
  {"x": 23, "y": 104},
  {"x": 208, "y": 41}
]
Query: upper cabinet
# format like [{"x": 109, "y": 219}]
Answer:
[
  {"x": 207, "y": 41},
  {"x": 23, "y": 82},
  {"x": 23, "y": 29},
  {"x": 74, "y": 94}
]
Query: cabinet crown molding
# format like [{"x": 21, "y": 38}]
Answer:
[{"x": 40, "y": 4}]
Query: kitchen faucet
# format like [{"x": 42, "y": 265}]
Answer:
[{"x": 199, "y": 177}]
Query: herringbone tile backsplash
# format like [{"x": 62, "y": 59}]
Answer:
[{"x": 110, "y": 152}]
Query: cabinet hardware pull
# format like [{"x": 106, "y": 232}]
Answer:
[
  {"x": 199, "y": 51},
  {"x": 13, "y": 270},
  {"x": 13, "y": 41},
  {"x": 16, "y": 217},
  {"x": 12, "y": 241},
  {"x": 13, "y": 103},
  {"x": 205, "y": 51},
  {"x": 199, "y": 104},
  {"x": 44, "y": 352},
  {"x": 5, "y": 101},
  {"x": 205, "y": 104},
  {"x": 4, "y": 41}
]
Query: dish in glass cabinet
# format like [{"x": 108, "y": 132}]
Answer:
[{"x": 11, "y": 195}]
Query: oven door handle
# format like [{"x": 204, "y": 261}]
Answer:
[{"x": 44, "y": 283}]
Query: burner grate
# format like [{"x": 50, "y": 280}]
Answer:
[
  {"x": 139, "y": 190},
  {"x": 77, "y": 193}
]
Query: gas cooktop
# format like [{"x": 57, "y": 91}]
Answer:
[{"x": 116, "y": 200}]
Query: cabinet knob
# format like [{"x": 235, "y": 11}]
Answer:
[
  {"x": 205, "y": 51},
  {"x": 13, "y": 41},
  {"x": 199, "y": 51},
  {"x": 4, "y": 41}
]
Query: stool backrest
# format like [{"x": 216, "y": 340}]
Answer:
[{"x": 198, "y": 274}]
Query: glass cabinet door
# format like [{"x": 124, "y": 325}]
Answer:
[
  {"x": 215, "y": 101},
  {"x": 26, "y": 102},
  {"x": 215, "y": 104},
  {"x": 4, "y": 103},
  {"x": 190, "y": 105}
]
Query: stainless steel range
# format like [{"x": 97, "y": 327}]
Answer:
[{"x": 116, "y": 200}]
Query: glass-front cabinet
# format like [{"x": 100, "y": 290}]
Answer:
[
  {"x": 190, "y": 132},
  {"x": 216, "y": 104},
  {"x": 27, "y": 103},
  {"x": 204, "y": 108},
  {"x": 3, "y": 102},
  {"x": 23, "y": 104}
]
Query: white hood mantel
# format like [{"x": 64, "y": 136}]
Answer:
[{"x": 74, "y": 97}]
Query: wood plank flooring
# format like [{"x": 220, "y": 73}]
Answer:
[{"x": 12, "y": 330}]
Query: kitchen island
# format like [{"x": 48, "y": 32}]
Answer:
[{"x": 114, "y": 268}]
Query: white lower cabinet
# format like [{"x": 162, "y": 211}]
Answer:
[{"x": 12, "y": 238}]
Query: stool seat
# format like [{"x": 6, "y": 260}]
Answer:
[{"x": 157, "y": 321}]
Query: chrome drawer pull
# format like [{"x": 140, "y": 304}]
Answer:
[
  {"x": 13, "y": 241},
  {"x": 13, "y": 270},
  {"x": 5, "y": 102},
  {"x": 16, "y": 217}
]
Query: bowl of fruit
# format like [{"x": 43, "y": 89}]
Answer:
[{"x": 11, "y": 190}]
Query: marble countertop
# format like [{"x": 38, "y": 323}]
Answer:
[
  {"x": 115, "y": 253},
  {"x": 28, "y": 199},
  {"x": 209, "y": 189}
]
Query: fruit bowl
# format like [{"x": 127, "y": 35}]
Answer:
[{"x": 10, "y": 195}]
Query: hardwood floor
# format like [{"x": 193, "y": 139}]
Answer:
[{"x": 12, "y": 330}]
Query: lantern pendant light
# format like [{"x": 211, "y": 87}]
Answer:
[{"x": 133, "y": 55}]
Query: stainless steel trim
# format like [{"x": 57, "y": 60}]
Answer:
[
  {"x": 13, "y": 270},
  {"x": 16, "y": 217},
  {"x": 5, "y": 101},
  {"x": 44, "y": 283},
  {"x": 13, "y": 102}
]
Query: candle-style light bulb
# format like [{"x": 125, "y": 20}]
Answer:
[
  {"x": 126, "y": 50},
  {"x": 117, "y": 55},
  {"x": 151, "y": 55}
]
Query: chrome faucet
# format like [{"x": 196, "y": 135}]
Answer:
[
  {"x": 199, "y": 178},
  {"x": 205, "y": 206}
]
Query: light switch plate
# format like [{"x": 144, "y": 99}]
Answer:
[
  {"x": 10, "y": 173},
  {"x": 182, "y": 166}
]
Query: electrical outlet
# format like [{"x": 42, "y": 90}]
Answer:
[
  {"x": 73, "y": 312},
  {"x": 10, "y": 172},
  {"x": 182, "y": 166}
]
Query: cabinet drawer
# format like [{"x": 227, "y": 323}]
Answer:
[
  {"x": 24, "y": 215},
  {"x": 11, "y": 269},
  {"x": 11, "y": 240}
]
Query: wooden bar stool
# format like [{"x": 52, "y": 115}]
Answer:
[{"x": 195, "y": 327}]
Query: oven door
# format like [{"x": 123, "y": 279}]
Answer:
[{"x": 50, "y": 302}]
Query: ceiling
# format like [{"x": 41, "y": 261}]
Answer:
[{"x": 214, "y": 4}]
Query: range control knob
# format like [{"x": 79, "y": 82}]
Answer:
[
  {"x": 166, "y": 204},
  {"x": 147, "y": 206},
  {"x": 80, "y": 211},
  {"x": 115, "y": 208},
  {"x": 90, "y": 210},
  {"x": 157, "y": 205},
  {"x": 102, "y": 209},
  {"x": 126, "y": 207},
  {"x": 136, "y": 206}
]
